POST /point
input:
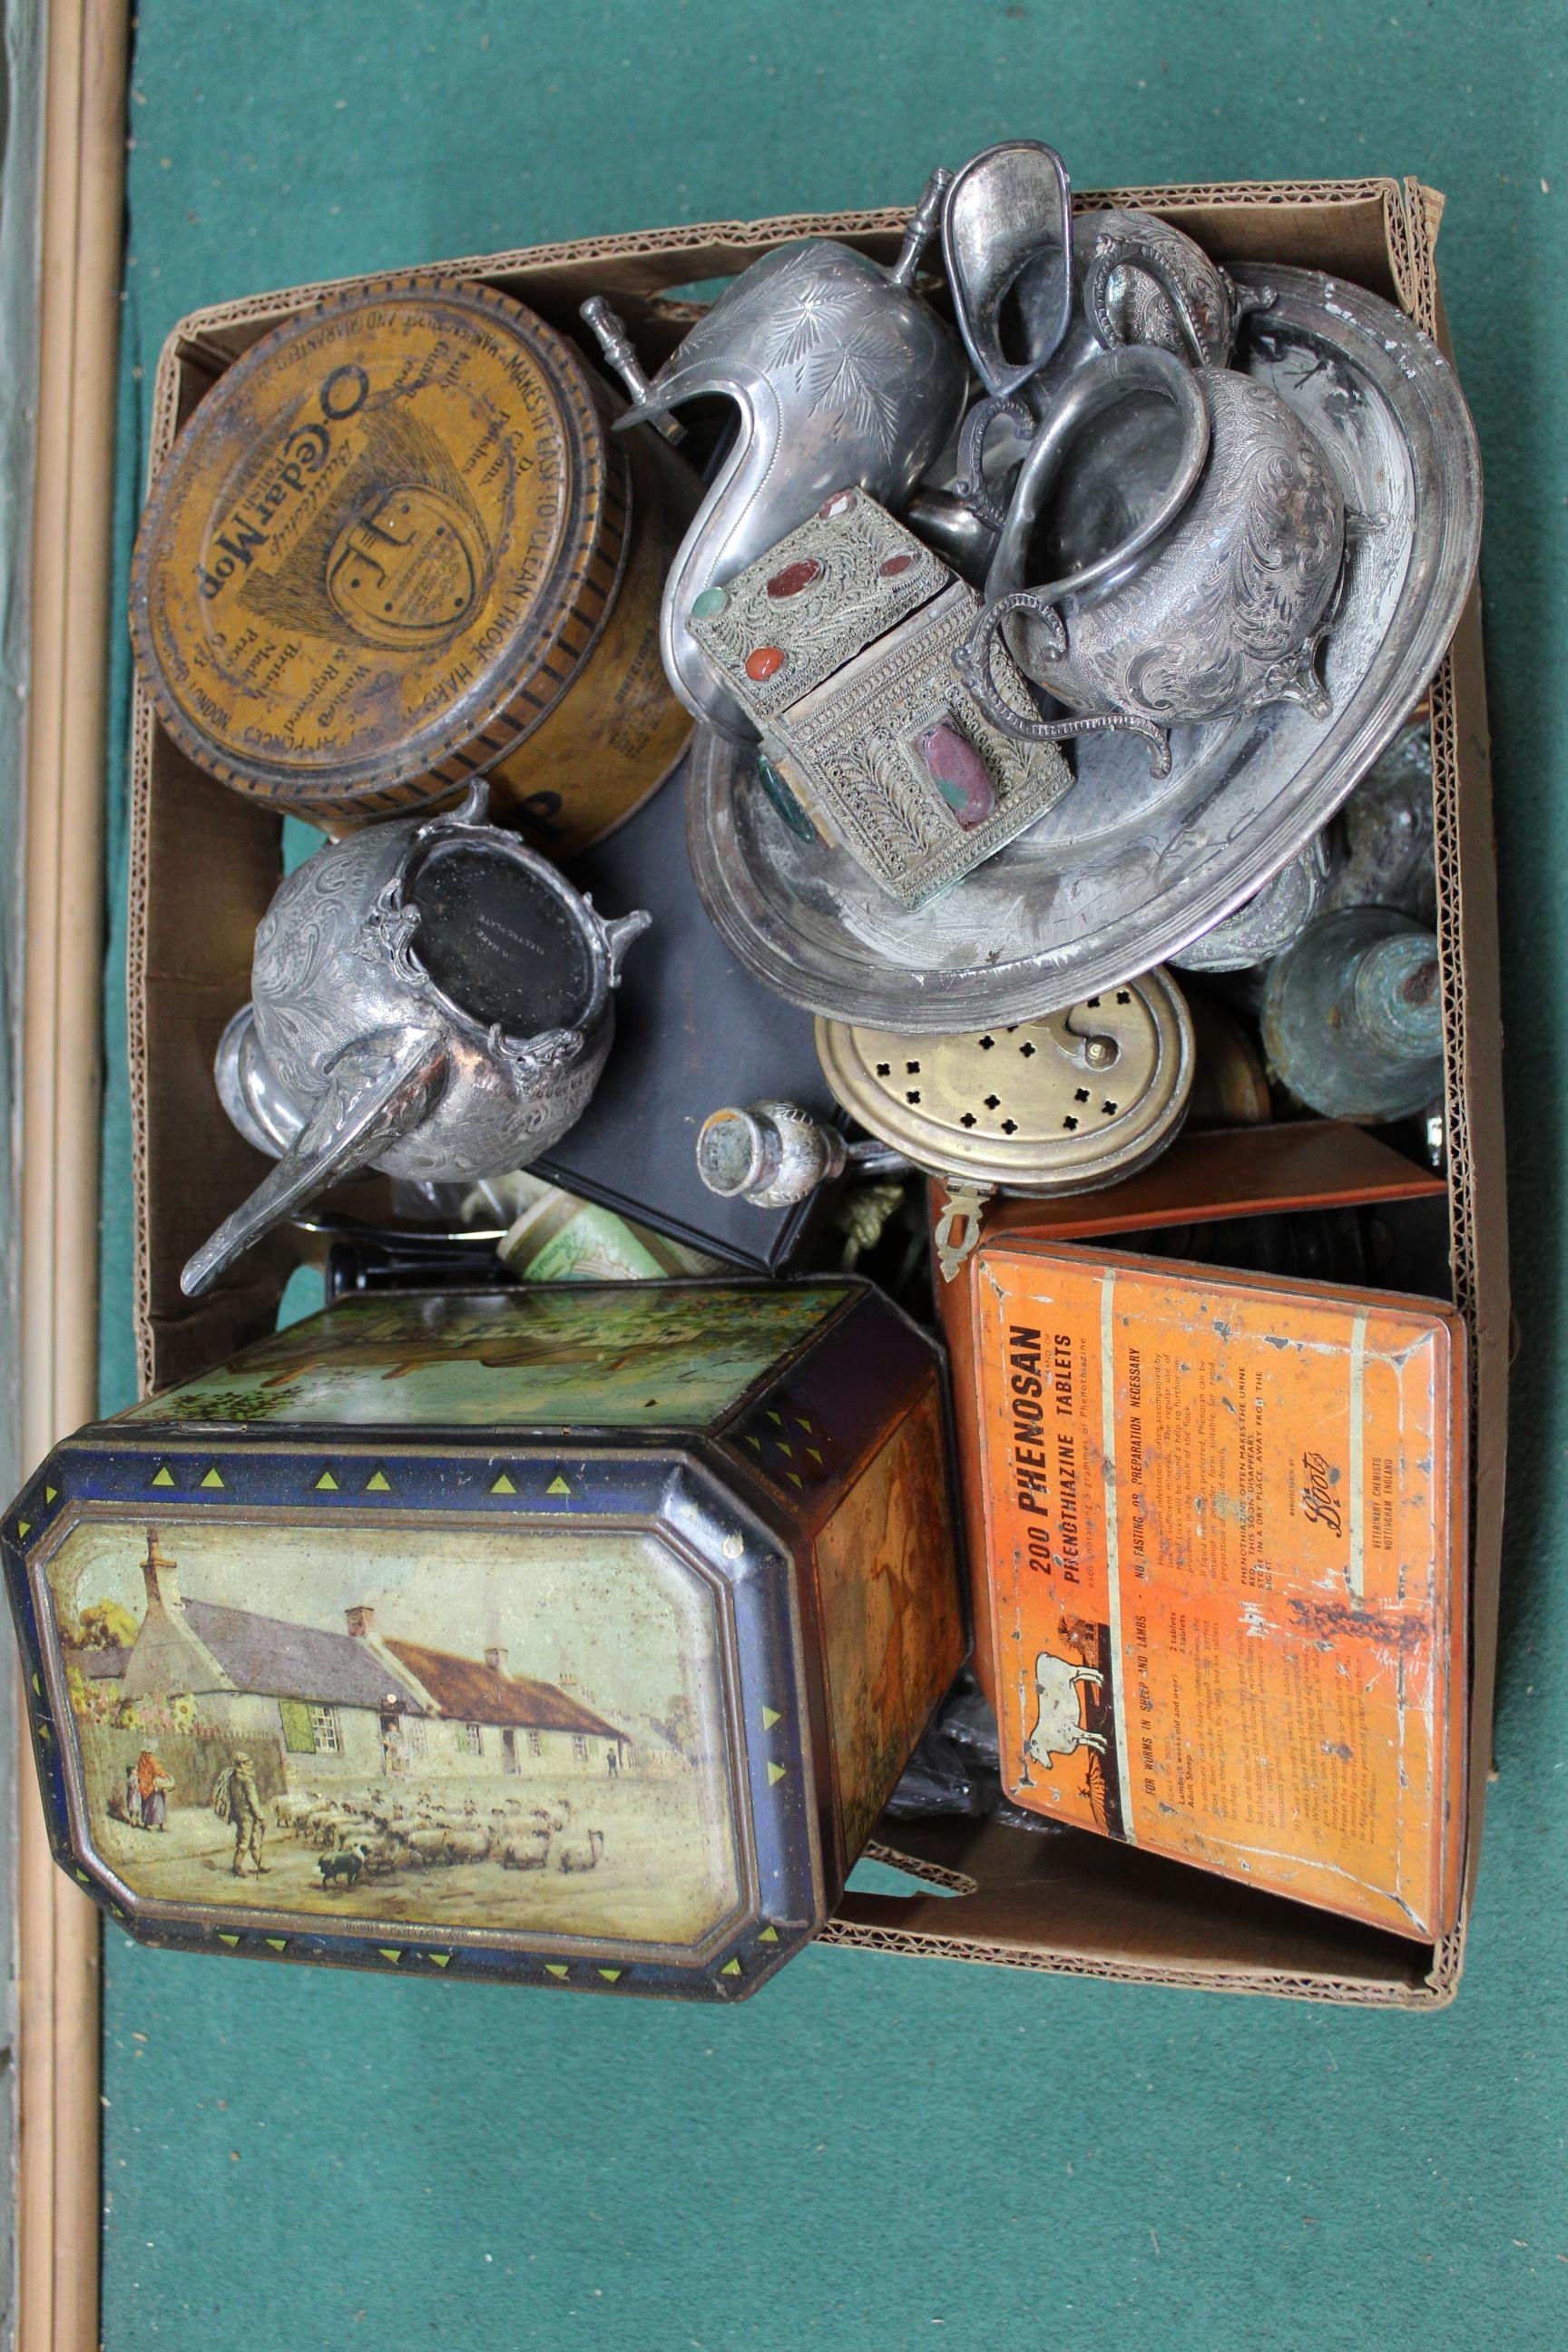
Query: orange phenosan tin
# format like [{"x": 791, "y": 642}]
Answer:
[
  {"x": 396, "y": 547},
  {"x": 1225, "y": 1522}
]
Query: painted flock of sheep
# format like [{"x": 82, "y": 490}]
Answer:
[{"x": 376, "y": 1834}]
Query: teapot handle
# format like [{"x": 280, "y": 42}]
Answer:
[
  {"x": 974, "y": 662},
  {"x": 1103, "y": 383},
  {"x": 1113, "y": 253}
]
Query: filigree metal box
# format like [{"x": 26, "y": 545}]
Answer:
[
  {"x": 839, "y": 644},
  {"x": 573, "y": 1635}
]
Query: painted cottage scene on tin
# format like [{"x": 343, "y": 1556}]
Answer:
[{"x": 238, "y": 1749}]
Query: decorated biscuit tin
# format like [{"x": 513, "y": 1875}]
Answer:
[
  {"x": 573, "y": 1635},
  {"x": 396, "y": 547}
]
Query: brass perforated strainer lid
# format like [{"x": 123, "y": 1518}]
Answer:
[{"x": 1064, "y": 1103}]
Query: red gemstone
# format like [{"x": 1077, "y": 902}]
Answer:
[
  {"x": 896, "y": 564},
  {"x": 839, "y": 504},
  {"x": 764, "y": 661},
  {"x": 959, "y": 773},
  {"x": 795, "y": 577}
]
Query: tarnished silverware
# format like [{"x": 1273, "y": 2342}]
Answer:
[
  {"x": 842, "y": 375},
  {"x": 1137, "y": 279},
  {"x": 1007, "y": 241},
  {"x": 1269, "y": 921},
  {"x": 1130, "y": 866},
  {"x": 1193, "y": 569},
  {"x": 431, "y": 999}
]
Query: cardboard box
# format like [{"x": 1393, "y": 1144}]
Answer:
[{"x": 204, "y": 866}]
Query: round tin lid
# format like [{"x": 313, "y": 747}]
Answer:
[
  {"x": 1064, "y": 1103},
  {"x": 380, "y": 549}
]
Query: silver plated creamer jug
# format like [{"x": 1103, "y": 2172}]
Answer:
[
  {"x": 1008, "y": 242},
  {"x": 843, "y": 377},
  {"x": 430, "y": 998}
]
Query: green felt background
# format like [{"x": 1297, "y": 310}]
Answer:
[{"x": 880, "y": 2152}]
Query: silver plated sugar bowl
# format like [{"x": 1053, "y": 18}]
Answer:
[
  {"x": 430, "y": 998},
  {"x": 843, "y": 377},
  {"x": 1192, "y": 569}
]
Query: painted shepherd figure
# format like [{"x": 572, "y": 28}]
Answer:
[
  {"x": 236, "y": 1799},
  {"x": 153, "y": 1786}
]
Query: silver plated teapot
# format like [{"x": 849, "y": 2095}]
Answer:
[
  {"x": 431, "y": 999},
  {"x": 843, "y": 377}
]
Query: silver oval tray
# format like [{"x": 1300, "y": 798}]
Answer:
[{"x": 1128, "y": 867}]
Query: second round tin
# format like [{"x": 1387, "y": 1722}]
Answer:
[
  {"x": 1069, "y": 1103},
  {"x": 394, "y": 548}
]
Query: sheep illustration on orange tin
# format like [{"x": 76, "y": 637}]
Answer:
[{"x": 1057, "y": 1730}]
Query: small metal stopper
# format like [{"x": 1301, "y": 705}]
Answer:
[
  {"x": 609, "y": 328},
  {"x": 923, "y": 224},
  {"x": 775, "y": 1154}
]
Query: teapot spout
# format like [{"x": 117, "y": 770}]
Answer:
[
  {"x": 378, "y": 1089},
  {"x": 619, "y": 933}
]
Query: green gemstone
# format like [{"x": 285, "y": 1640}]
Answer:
[
  {"x": 712, "y": 601},
  {"x": 784, "y": 800}
]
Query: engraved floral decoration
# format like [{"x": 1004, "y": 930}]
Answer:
[
  {"x": 1225, "y": 613},
  {"x": 844, "y": 357}
]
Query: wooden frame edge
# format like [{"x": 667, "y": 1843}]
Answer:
[{"x": 58, "y": 2189}]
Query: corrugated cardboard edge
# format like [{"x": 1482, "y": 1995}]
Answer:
[
  {"x": 1402, "y": 267},
  {"x": 1359, "y": 1993}
]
